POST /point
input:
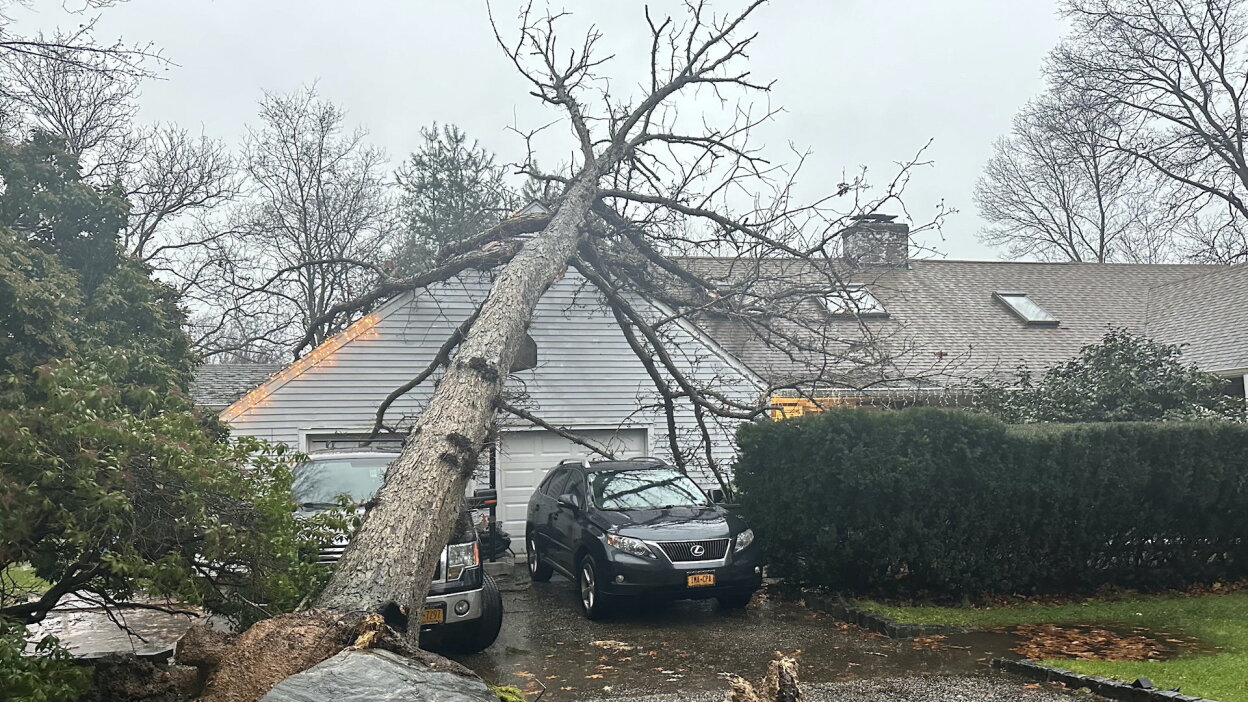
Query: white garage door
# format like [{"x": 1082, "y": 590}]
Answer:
[{"x": 526, "y": 456}]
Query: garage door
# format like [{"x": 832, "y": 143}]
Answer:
[{"x": 525, "y": 456}]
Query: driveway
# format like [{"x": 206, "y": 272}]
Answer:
[{"x": 683, "y": 652}]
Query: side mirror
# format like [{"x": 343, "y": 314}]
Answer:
[
  {"x": 570, "y": 500},
  {"x": 717, "y": 496}
]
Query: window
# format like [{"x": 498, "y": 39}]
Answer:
[
  {"x": 319, "y": 482},
  {"x": 645, "y": 488},
  {"x": 854, "y": 300},
  {"x": 553, "y": 485},
  {"x": 1027, "y": 309}
]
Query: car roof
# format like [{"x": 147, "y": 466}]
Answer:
[{"x": 622, "y": 465}]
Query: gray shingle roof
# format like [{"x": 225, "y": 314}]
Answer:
[
  {"x": 218, "y": 385},
  {"x": 944, "y": 325},
  {"x": 1209, "y": 313}
]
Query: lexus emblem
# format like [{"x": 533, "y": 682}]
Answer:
[{"x": 697, "y": 550}]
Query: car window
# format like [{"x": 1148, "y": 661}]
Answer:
[
  {"x": 321, "y": 481},
  {"x": 555, "y": 481},
  {"x": 648, "y": 488},
  {"x": 576, "y": 485}
]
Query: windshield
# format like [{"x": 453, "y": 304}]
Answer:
[
  {"x": 320, "y": 481},
  {"x": 648, "y": 488}
]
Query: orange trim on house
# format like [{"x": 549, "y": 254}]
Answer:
[
  {"x": 322, "y": 354},
  {"x": 789, "y": 407}
]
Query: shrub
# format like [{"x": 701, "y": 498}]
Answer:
[
  {"x": 49, "y": 676},
  {"x": 1123, "y": 378},
  {"x": 111, "y": 485},
  {"x": 926, "y": 501}
]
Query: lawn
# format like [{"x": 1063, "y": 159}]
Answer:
[
  {"x": 19, "y": 582},
  {"x": 1220, "y": 621}
]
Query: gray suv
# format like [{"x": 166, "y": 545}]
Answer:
[{"x": 463, "y": 611}]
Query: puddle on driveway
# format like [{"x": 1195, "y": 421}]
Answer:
[{"x": 684, "y": 646}]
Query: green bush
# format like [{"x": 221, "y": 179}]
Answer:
[
  {"x": 49, "y": 676},
  {"x": 952, "y": 503}
]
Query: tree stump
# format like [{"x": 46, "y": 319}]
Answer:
[{"x": 778, "y": 685}]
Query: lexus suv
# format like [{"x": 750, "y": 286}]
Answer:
[
  {"x": 463, "y": 611},
  {"x": 634, "y": 528}
]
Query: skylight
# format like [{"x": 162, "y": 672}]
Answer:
[
  {"x": 1027, "y": 309},
  {"x": 854, "y": 300}
]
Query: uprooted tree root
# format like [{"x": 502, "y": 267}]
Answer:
[
  {"x": 245, "y": 667},
  {"x": 778, "y": 685}
]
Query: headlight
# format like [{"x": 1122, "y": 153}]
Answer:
[
  {"x": 460, "y": 556},
  {"x": 744, "y": 539},
  {"x": 629, "y": 545}
]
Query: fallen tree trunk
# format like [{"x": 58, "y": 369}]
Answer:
[{"x": 390, "y": 562}]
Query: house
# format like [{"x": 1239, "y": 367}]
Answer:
[
  {"x": 583, "y": 377},
  {"x": 890, "y": 327}
]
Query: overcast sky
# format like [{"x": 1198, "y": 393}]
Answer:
[{"x": 863, "y": 82}]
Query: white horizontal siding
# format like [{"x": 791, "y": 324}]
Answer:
[{"x": 586, "y": 377}]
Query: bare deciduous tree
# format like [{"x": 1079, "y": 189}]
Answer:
[
  {"x": 1171, "y": 75},
  {"x": 77, "y": 47},
  {"x": 74, "y": 95},
  {"x": 174, "y": 181},
  {"x": 649, "y": 191},
  {"x": 1057, "y": 188},
  {"x": 315, "y": 230},
  {"x": 172, "y": 177}
]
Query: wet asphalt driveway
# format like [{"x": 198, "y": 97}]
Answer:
[
  {"x": 680, "y": 652},
  {"x": 684, "y": 651}
]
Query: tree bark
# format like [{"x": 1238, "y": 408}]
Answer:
[{"x": 389, "y": 564}]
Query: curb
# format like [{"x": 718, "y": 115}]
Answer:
[
  {"x": 1105, "y": 687},
  {"x": 840, "y": 608}
]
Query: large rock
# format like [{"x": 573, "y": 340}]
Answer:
[{"x": 377, "y": 675}]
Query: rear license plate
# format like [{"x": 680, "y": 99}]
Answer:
[
  {"x": 700, "y": 579},
  {"x": 433, "y": 615}
]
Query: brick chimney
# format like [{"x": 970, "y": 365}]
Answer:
[{"x": 876, "y": 240}]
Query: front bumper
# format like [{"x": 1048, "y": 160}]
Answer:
[
  {"x": 447, "y": 603},
  {"x": 634, "y": 576}
]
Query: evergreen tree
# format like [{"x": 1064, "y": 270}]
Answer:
[{"x": 451, "y": 189}]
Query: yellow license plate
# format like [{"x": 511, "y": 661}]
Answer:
[
  {"x": 700, "y": 579},
  {"x": 432, "y": 615}
]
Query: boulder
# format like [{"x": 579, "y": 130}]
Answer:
[{"x": 376, "y": 675}]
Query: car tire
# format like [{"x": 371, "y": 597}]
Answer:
[
  {"x": 476, "y": 635},
  {"x": 594, "y": 604},
  {"x": 735, "y": 600},
  {"x": 539, "y": 570}
]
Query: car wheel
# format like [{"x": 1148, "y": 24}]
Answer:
[
  {"x": 735, "y": 600},
  {"x": 539, "y": 570},
  {"x": 472, "y": 636},
  {"x": 594, "y": 604}
]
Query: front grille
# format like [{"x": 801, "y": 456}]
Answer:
[
  {"x": 330, "y": 554},
  {"x": 712, "y": 550}
]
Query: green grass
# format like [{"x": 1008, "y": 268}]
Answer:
[
  {"x": 19, "y": 582},
  {"x": 1219, "y": 621}
]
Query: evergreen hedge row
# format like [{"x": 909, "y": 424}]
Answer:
[{"x": 952, "y": 503}]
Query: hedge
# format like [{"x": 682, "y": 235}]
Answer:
[{"x": 952, "y": 503}]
